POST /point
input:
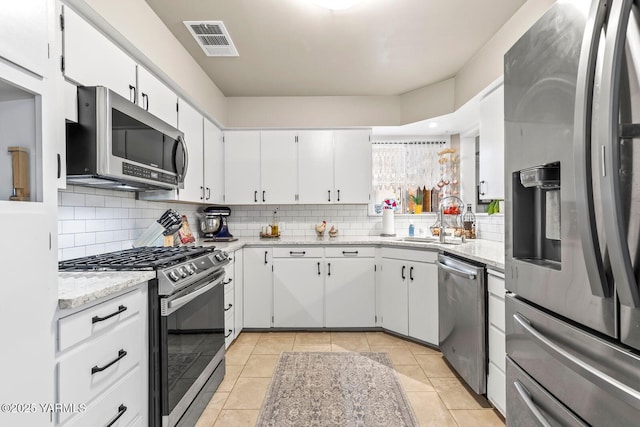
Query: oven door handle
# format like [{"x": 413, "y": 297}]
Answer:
[{"x": 179, "y": 302}]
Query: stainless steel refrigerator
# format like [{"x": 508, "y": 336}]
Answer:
[{"x": 572, "y": 265}]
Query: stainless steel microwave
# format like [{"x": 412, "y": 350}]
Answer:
[{"x": 119, "y": 146}]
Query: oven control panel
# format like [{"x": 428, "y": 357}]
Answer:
[{"x": 178, "y": 276}]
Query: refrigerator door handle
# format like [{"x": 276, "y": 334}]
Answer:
[
  {"x": 603, "y": 381},
  {"x": 528, "y": 401},
  {"x": 609, "y": 134},
  {"x": 585, "y": 212}
]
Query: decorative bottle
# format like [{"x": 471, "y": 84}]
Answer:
[{"x": 469, "y": 223}]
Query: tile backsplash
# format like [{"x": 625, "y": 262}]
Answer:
[{"x": 93, "y": 221}]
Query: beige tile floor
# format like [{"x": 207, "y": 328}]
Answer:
[{"x": 437, "y": 396}]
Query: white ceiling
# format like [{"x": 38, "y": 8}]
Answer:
[{"x": 379, "y": 47}]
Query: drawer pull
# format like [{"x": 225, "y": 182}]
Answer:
[
  {"x": 97, "y": 319},
  {"x": 229, "y": 334},
  {"x": 96, "y": 368},
  {"x": 226, "y": 282},
  {"x": 228, "y": 308},
  {"x": 121, "y": 410},
  {"x": 349, "y": 252},
  {"x": 292, "y": 253}
]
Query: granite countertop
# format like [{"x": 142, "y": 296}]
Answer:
[
  {"x": 78, "y": 288},
  {"x": 485, "y": 251}
]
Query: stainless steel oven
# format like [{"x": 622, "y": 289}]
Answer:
[
  {"x": 191, "y": 343},
  {"x": 186, "y": 324}
]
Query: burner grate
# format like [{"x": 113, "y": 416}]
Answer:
[{"x": 143, "y": 258}]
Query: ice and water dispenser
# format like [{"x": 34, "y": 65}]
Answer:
[{"x": 536, "y": 215}]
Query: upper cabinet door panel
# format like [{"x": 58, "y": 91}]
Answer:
[
  {"x": 24, "y": 27},
  {"x": 242, "y": 167},
  {"x": 491, "y": 168},
  {"x": 352, "y": 156},
  {"x": 91, "y": 59},
  {"x": 190, "y": 122},
  {"x": 279, "y": 167},
  {"x": 156, "y": 98},
  {"x": 213, "y": 164},
  {"x": 315, "y": 163}
]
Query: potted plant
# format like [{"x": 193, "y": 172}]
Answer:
[
  {"x": 496, "y": 206},
  {"x": 417, "y": 203}
]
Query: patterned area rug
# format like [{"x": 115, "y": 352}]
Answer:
[{"x": 335, "y": 389}]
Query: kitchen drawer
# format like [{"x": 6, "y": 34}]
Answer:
[
  {"x": 86, "y": 324},
  {"x": 229, "y": 328},
  {"x": 497, "y": 347},
  {"x": 497, "y": 388},
  {"x": 496, "y": 311},
  {"x": 104, "y": 409},
  {"x": 298, "y": 252},
  {"x": 228, "y": 298},
  {"x": 77, "y": 383},
  {"x": 417, "y": 255},
  {"x": 350, "y": 252},
  {"x": 495, "y": 284}
]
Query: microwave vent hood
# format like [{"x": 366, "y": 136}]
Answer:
[
  {"x": 108, "y": 184},
  {"x": 118, "y": 145}
]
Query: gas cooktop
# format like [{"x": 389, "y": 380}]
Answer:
[{"x": 143, "y": 258}]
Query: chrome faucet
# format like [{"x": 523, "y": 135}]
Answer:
[{"x": 441, "y": 235}]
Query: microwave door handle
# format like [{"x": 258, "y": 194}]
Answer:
[
  {"x": 585, "y": 213},
  {"x": 185, "y": 164},
  {"x": 610, "y": 137}
]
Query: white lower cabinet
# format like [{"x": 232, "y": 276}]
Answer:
[
  {"x": 496, "y": 378},
  {"x": 394, "y": 296},
  {"x": 350, "y": 287},
  {"x": 423, "y": 302},
  {"x": 409, "y": 293},
  {"x": 309, "y": 287},
  {"x": 102, "y": 362},
  {"x": 258, "y": 287},
  {"x": 229, "y": 302},
  {"x": 298, "y": 287},
  {"x": 238, "y": 273}
]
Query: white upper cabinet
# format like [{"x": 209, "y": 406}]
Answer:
[
  {"x": 278, "y": 167},
  {"x": 334, "y": 166},
  {"x": 213, "y": 164},
  {"x": 491, "y": 168},
  {"x": 190, "y": 121},
  {"x": 91, "y": 59},
  {"x": 156, "y": 98},
  {"x": 242, "y": 167},
  {"x": 24, "y": 26},
  {"x": 315, "y": 163},
  {"x": 352, "y": 163}
]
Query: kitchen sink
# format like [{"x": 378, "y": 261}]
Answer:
[{"x": 431, "y": 240}]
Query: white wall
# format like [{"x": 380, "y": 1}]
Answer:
[
  {"x": 488, "y": 63},
  {"x": 313, "y": 111}
]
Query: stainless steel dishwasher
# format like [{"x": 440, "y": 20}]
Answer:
[{"x": 462, "y": 319}]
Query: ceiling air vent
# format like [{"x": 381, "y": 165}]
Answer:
[{"x": 212, "y": 37}]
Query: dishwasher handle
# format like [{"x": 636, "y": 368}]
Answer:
[{"x": 468, "y": 274}]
